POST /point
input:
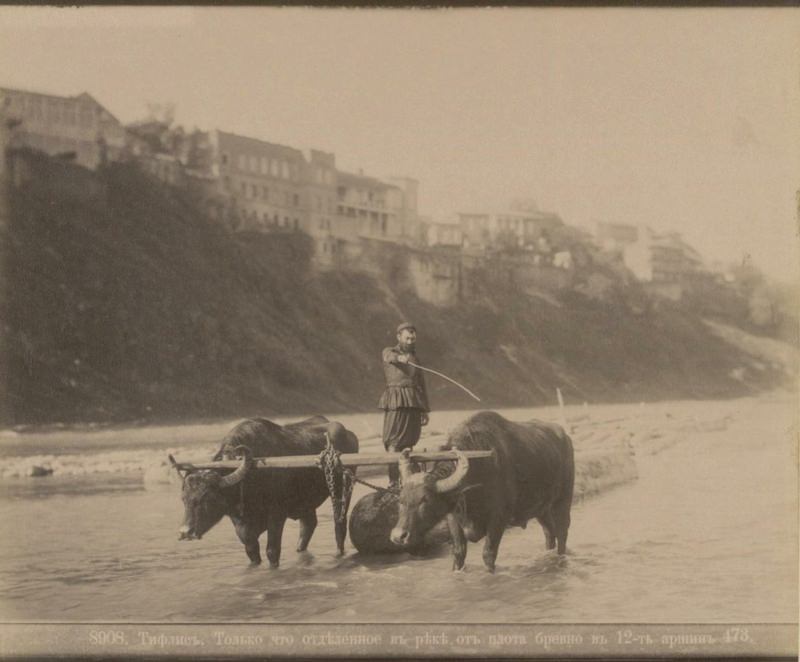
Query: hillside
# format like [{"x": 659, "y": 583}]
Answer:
[{"x": 124, "y": 302}]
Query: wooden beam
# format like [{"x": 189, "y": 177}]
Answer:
[{"x": 347, "y": 459}]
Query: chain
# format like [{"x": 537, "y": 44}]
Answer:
[
  {"x": 331, "y": 464},
  {"x": 378, "y": 488}
]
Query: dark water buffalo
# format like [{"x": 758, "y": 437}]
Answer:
[
  {"x": 259, "y": 500},
  {"x": 531, "y": 475}
]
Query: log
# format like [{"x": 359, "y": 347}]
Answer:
[
  {"x": 372, "y": 520},
  {"x": 347, "y": 460}
]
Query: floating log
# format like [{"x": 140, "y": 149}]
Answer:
[
  {"x": 347, "y": 459},
  {"x": 371, "y": 523}
]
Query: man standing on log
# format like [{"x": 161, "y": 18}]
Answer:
[{"x": 405, "y": 399}]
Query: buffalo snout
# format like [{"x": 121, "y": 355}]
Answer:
[{"x": 400, "y": 537}]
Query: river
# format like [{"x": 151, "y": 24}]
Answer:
[{"x": 707, "y": 533}]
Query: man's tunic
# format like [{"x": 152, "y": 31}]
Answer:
[{"x": 404, "y": 400}]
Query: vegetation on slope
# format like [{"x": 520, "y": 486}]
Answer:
[{"x": 125, "y": 302}]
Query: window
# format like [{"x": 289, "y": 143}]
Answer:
[
  {"x": 254, "y": 163},
  {"x": 264, "y": 193},
  {"x": 242, "y": 162},
  {"x": 244, "y": 188},
  {"x": 224, "y": 159},
  {"x": 264, "y": 165},
  {"x": 285, "y": 169},
  {"x": 254, "y": 190},
  {"x": 274, "y": 168},
  {"x": 296, "y": 199},
  {"x": 296, "y": 224}
]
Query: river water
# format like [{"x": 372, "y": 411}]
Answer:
[{"x": 707, "y": 533}]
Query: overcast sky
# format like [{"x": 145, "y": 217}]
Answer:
[{"x": 680, "y": 119}]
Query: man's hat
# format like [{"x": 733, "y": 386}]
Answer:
[{"x": 404, "y": 326}]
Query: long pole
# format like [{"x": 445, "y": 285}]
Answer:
[
  {"x": 452, "y": 381},
  {"x": 347, "y": 460}
]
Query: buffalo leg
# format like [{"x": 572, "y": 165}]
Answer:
[
  {"x": 250, "y": 541},
  {"x": 459, "y": 542},
  {"x": 549, "y": 526},
  {"x": 308, "y": 523},
  {"x": 562, "y": 520},
  {"x": 274, "y": 535},
  {"x": 494, "y": 534}
]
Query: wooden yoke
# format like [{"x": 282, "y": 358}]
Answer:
[{"x": 347, "y": 460}]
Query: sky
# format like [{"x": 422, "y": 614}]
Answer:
[{"x": 681, "y": 119}]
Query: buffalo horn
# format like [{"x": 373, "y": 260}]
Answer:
[
  {"x": 455, "y": 479},
  {"x": 173, "y": 463},
  {"x": 241, "y": 470}
]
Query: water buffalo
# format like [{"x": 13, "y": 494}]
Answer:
[
  {"x": 261, "y": 500},
  {"x": 531, "y": 474}
]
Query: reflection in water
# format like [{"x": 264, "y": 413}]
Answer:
[{"x": 689, "y": 541}]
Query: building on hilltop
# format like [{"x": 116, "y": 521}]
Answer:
[
  {"x": 407, "y": 209},
  {"x": 664, "y": 261},
  {"x": 518, "y": 228},
  {"x": 443, "y": 234},
  {"x": 369, "y": 208},
  {"x": 77, "y": 127},
  {"x": 614, "y": 237},
  {"x": 259, "y": 185},
  {"x": 247, "y": 183}
]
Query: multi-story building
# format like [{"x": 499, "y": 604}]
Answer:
[
  {"x": 263, "y": 183},
  {"x": 441, "y": 233},
  {"x": 406, "y": 208},
  {"x": 368, "y": 208},
  {"x": 248, "y": 183},
  {"x": 320, "y": 187},
  {"x": 662, "y": 257},
  {"x": 522, "y": 228},
  {"x": 664, "y": 261},
  {"x": 77, "y": 126},
  {"x": 262, "y": 186},
  {"x": 614, "y": 237}
]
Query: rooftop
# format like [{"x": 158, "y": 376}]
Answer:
[
  {"x": 363, "y": 181},
  {"x": 82, "y": 95},
  {"x": 274, "y": 149}
]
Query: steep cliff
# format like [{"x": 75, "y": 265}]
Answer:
[{"x": 125, "y": 302}]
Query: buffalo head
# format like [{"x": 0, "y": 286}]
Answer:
[
  {"x": 206, "y": 497},
  {"x": 425, "y": 499}
]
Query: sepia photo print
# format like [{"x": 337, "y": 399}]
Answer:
[{"x": 399, "y": 332}]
